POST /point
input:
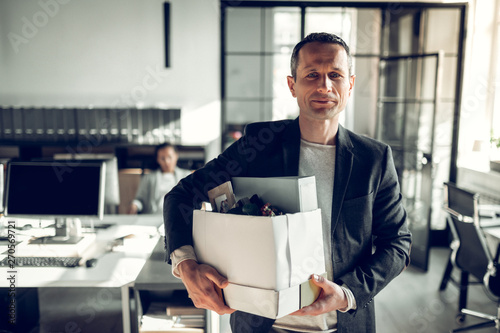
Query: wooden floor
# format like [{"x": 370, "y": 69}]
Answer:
[{"x": 412, "y": 303}]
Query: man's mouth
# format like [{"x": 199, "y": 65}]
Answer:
[{"x": 323, "y": 101}]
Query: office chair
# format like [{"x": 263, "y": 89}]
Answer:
[
  {"x": 473, "y": 256},
  {"x": 464, "y": 203}
]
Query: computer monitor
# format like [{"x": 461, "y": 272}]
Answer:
[
  {"x": 111, "y": 186},
  {"x": 45, "y": 190}
]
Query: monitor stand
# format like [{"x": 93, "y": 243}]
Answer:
[{"x": 68, "y": 231}]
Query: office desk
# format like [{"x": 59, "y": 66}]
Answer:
[
  {"x": 492, "y": 235},
  {"x": 156, "y": 283},
  {"x": 85, "y": 299},
  {"x": 156, "y": 273}
]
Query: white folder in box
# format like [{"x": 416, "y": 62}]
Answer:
[{"x": 290, "y": 194}]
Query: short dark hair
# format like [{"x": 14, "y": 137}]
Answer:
[
  {"x": 321, "y": 37},
  {"x": 164, "y": 145}
]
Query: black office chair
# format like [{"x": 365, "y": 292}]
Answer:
[
  {"x": 464, "y": 203},
  {"x": 473, "y": 256}
]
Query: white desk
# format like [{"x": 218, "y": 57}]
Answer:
[
  {"x": 492, "y": 235},
  {"x": 109, "y": 280}
]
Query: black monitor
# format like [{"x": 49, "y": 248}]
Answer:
[
  {"x": 111, "y": 185},
  {"x": 45, "y": 190}
]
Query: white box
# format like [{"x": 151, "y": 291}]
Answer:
[
  {"x": 290, "y": 194},
  {"x": 266, "y": 259}
]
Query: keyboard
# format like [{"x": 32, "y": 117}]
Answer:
[{"x": 43, "y": 262}]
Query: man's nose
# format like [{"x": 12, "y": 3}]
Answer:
[{"x": 325, "y": 84}]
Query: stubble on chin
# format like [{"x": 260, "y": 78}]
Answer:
[{"x": 322, "y": 114}]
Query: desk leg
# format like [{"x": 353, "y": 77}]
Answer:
[
  {"x": 125, "y": 291},
  {"x": 137, "y": 312}
]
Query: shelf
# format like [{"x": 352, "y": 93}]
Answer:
[{"x": 92, "y": 126}]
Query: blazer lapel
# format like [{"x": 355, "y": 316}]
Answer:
[
  {"x": 343, "y": 167},
  {"x": 291, "y": 149}
]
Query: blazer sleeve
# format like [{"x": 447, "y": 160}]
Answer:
[
  {"x": 391, "y": 239},
  {"x": 191, "y": 191}
]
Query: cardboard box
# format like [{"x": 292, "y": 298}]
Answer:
[
  {"x": 266, "y": 259},
  {"x": 290, "y": 194}
]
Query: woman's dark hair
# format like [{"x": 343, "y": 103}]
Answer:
[
  {"x": 153, "y": 163},
  {"x": 164, "y": 145},
  {"x": 321, "y": 37}
]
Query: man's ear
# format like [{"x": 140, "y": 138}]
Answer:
[
  {"x": 351, "y": 83},
  {"x": 291, "y": 85}
]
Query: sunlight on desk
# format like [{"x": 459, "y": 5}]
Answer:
[{"x": 30, "y": 249}]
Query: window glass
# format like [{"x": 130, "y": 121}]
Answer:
[
  {"x": 436, "y": 20},
  {"x": 243, "y": 76},
  {"x": 495, "y": 127},
  {"x": 243, "y": 112},
  {"x": 285, "y": 29},
  {"x": 332, "y": 20},
  {"x": 243, "y": 32}
]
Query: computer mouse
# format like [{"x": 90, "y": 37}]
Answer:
[{"x": 91, "y": 262}]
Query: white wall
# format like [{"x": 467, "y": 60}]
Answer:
[
  {"x": 478, "y": 83},
  {"x": 111, "y": 53}
]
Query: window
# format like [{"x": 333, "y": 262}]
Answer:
[
  {"x": 258, "y": 45},
  {"x": 495, "y": 117}
]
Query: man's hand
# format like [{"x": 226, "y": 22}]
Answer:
[
  {"x": 201, "y": 282},
  {"x": 132, "y": 209},
  {"x": 331, "y": 298}
]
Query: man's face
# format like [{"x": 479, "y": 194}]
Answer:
[
  {"x": 323, "y": 84},
  {"x": 167, "y": 159}
]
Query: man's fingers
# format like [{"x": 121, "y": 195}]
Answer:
[
  {"x": 219, "y": 280},
  {"x": 204, "y": 287},
  {"x": 211, "y": 300},
  {"x": 204, "y": 284},
  {"x": 318, "y": 280},
  {"x": 321, "y": 282}
]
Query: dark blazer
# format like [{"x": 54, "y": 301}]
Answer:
[{"x": 370, "y": 236}]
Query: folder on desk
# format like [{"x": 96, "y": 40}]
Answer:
[
  {"x": 135, "y": 125},
  {"x": 124, "y": 128},
  {"x": 7, "y": 132},
  {"x": 17, "y": 123},
  {"x": 68, "y": 125},
  {"x": 50, "y": 124}
]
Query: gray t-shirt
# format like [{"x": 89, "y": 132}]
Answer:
[{"x": 319, "y": 161}]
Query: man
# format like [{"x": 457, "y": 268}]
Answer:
[
  {"x": 154, "y": 186},
  {"x": 366, "y": 239}
]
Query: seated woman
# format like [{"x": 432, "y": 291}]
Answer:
[{"x": 154, "y": 186}]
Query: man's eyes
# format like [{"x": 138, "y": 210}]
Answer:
[{"x": 331, "y": 75}]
